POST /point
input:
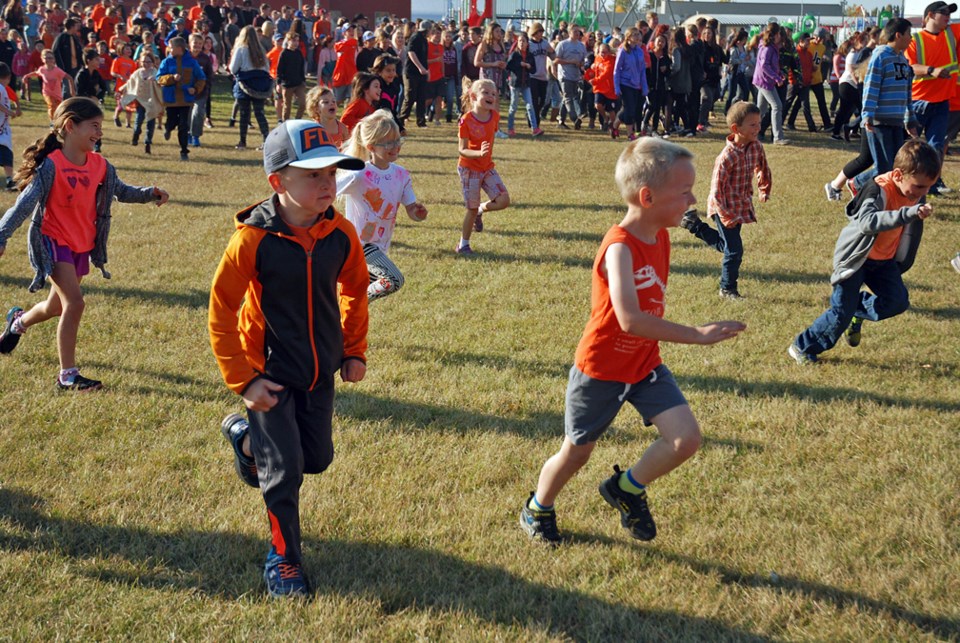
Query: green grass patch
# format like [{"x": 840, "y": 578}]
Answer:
[{"x": 823, "y": 505}]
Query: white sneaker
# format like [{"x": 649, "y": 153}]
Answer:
[
  {"x": 955, "y": 262},
  {"x": 500, "y": 134}
]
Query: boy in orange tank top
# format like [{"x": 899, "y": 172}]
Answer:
[
  {"x": 618, "y": 357},
  {"x": 875, "y": 249}
]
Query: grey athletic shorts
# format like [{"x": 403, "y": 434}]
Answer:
[{"x": 593, "y": 404}]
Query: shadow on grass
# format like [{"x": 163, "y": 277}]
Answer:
[
  {"x": 505, "y": 257},
  {"x": 366, "y": 407},
  {"x": 811, "y": 394},
  {"x": 936, "y": 313},
  {"x": 191, "y": 298},
  {"x": 842, "y": 600},
  {"x": 396, "y": 578}
]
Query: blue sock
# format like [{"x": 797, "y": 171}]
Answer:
[
  {"x": 536, "y": 506},
  {"x": 628, "y": 484}
]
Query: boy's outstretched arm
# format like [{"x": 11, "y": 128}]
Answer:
[{"x": 623, "y": 296}]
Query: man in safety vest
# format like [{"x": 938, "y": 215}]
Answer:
[{"x": 933, "y": 55}]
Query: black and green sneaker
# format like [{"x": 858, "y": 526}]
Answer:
[
  {"x": 540, "y": 525},
  {"x": 853, "y": 332},
  {"x": 634, "y": 513}
]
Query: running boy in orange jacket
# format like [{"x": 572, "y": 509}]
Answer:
[{"x": 281, "y": 272}]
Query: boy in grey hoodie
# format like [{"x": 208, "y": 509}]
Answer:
[{"x": 875, "y": 248}]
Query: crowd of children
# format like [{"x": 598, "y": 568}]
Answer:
[{"x": 289, "y": 301}]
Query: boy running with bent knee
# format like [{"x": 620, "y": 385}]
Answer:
[{"x": 618, "y": 358}]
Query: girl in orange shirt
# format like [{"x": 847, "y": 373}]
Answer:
[
  {"x": 366, "y": 94},
  {"x": 322, "y": 107},
  {"x": 477, "y": 129},
  {"x": 71, "y": 188},
  {"x": 121, "y": 69}
]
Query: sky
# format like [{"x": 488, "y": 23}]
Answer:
[{"x": 434, "y": 8}]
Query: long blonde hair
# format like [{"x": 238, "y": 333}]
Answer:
[
  {"x": 248, "y": 38},
  {"x": 375, "y": 128}
]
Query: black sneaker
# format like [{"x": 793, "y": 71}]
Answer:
[
  {"x": 8, "y": 338},
  {"x": 234, "y": 428},
  {"x": 11, "y": 186},
  {"x": 691, "y": 220},
  {"x": 577, "y": 124},
  {"x": 540, "y": 525},
  {"x": 853, "y": 334},
  {"x": 80, "y": 383},
  {"x": 634, "y": 514}
]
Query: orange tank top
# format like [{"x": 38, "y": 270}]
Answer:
[
  {"x": 605, "y": 351},
  {"x": 71, "y": 212}
]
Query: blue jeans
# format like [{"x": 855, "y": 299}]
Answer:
[
  {"x": 727, "y": 241},
  {"x": 450, "y": 96},
  {"x": 884, "y": 141},
  {"x": 515, "y": 94},
  {"x": 138, "y": 125},
  {"x": 888, "y": 299},
  {"x": 933, "y": 119}
]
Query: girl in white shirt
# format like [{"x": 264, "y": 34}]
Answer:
[{"x": 373, "y": 197}]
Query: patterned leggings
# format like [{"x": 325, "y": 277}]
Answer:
[{"x": 385, "y": 277}]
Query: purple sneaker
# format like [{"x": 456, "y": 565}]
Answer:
[{"x": 464, "y": 250}]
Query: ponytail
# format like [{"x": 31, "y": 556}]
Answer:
[
  {"x": 33, "y": 157},
  {"x": 77, "y": 110}
]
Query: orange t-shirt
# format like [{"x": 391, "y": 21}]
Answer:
[
  {"x": 434, "y": 68},
  {"x": 605, "y": 351},
  {"x": 123, "y": 67},
  {"x": 886, "y": 243},
  {"x": 346, "y": 66},
  {"x": 195, "y": 13},
  {"x": 475, "y": 132},
  {"x": 273, "y": 56},
  {"x": 106, "y": 27},
  {"x": 937, "y": 54},
  {"x": 71, "y": 212}
]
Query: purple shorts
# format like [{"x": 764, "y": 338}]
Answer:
[{"x": 63, "y": 254}]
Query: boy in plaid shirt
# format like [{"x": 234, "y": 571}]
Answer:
[{"x": 731, "y": 193}]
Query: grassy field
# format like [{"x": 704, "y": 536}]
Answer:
[{"x": 823, "y": 505}]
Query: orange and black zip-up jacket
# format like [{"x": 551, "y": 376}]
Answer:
[{"x": 302, "y": 310}]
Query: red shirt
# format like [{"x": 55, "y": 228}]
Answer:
[
  {"x": 731, "y": 186},
  {"x": 886, "y": 243},
  {"x": 355, "y": 111},
  {"x": 605, "y": 351},
  {"x": 71, "y": 212},
  {"x": 346, "y": 67}
]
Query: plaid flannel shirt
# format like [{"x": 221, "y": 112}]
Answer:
[{"x": 731, "y": 187}]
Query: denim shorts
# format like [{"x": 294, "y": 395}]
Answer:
[{"x": 593, "y": 404}]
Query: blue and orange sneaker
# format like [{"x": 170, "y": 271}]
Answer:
[
  {"x": 234, "y": 428},
  {"x": 284, "y": 579}
]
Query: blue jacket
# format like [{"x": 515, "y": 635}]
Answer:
[
  {"x": 630, "y": 70},
  {"x": 175, "y": 92},
  {"x": 888, "y": 88}
]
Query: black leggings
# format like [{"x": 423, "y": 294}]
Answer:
[
  {"x": 863, "y": 162},
  {"x": 849, "y": 105},
  {"x": 538, "y": 94},
  {"x": 247, "y": 103}
]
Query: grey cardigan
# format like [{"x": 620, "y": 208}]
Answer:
[
  {"x": 32, "y": 202},
  {"x": 868, "y": 217}
]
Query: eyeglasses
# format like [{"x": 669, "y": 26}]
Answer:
[{"x": 391, "y": 145}]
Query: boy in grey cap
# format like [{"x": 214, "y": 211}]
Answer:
[{"x": 288, "y": 309}]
